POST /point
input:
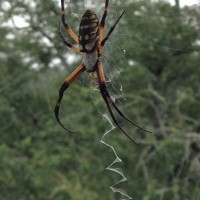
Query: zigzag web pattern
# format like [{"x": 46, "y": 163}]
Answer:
[{"x": 119, "y": 171}]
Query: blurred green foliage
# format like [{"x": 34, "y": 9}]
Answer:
[{"x": 156, "y": 45}]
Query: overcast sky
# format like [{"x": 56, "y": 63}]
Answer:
[
  {"x": 20, "y": 22},
  {"x": 186, "y": 2}
]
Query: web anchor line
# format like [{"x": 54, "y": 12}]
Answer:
[{"x": 119, "y": 171}]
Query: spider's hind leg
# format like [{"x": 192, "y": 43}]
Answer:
[
  {"x": 103, "y": 91},
  {"x": 108, "y": 100},
  {"x": 121, "y": 114}
]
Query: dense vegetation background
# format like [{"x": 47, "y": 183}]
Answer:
[{"x": 156, "y": 48}]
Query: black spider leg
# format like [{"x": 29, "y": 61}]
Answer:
[
  {"x": 103, "y": 19},
  {"x": 122, "y": 115},
  {"x": 106, "y": 96},
  {"x": 57, "y": 107},
  {"x": 111, "y": 29},
  {"x": 102, "y": 43},
  {"x": 74, "y": 48},
  {"x": 104, "y": 92},
  {"x": 64, "y": 87}
]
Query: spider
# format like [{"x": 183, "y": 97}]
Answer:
[{"x": 91, "y": 42}]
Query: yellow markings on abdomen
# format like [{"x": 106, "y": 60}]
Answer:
[{"x": 89, "y": 32}]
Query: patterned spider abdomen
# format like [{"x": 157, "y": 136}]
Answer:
[{"x": 89, "y": 32}]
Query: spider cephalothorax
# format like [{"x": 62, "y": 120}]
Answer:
[{"x": 91, "y": 42}]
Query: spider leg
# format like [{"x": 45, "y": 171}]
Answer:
[
  {"x": 103, "y": 19},
  {"x": 67, "y": 43},
  {"x": 64, "y": 87},
  {"x": 102, "y": 89},
  {"x": 102, "y": 42},
  {"x": 104, "y": 93},
  {"x": 100, "y": 71},
  {"x": 65, "y": 24},
  {"x": 121, "y": 114}
]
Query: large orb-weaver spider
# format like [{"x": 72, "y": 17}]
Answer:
[{"x": 91, "y": 42}]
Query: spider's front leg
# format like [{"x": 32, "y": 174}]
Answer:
[
  {"x": 65, "y": 24},
  {"x": 103, "y": 19},
  {"x": 103, "y": 40},
  {"x": 74, "y": 48},
  {"x": 74, "y": 75}
]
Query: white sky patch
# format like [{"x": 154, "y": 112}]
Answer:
[
  {"x": 131, "y": 62},
  {"x": 71, "y": 58},
  {"x": 35, "y": 66},
  {"x": 16, "y": 21},
  {"x": 47, "y": 42},
  {"x": 5, "y": 5},
  {"x": 20, "y": 22},
  {"x": 10, "y": 36},
  {"x": 186, "y": 2},
  {"x": 89, "y": 4},
  {"x": 55, "y": 62}
]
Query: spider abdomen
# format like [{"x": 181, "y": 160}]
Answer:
[{"x": 89, "y": 32}]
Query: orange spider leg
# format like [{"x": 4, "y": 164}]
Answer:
[
  {"x": 74, "y": 75},
  {"x": 65, "y": 24},
  {"x": 70, "y": 45}
]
